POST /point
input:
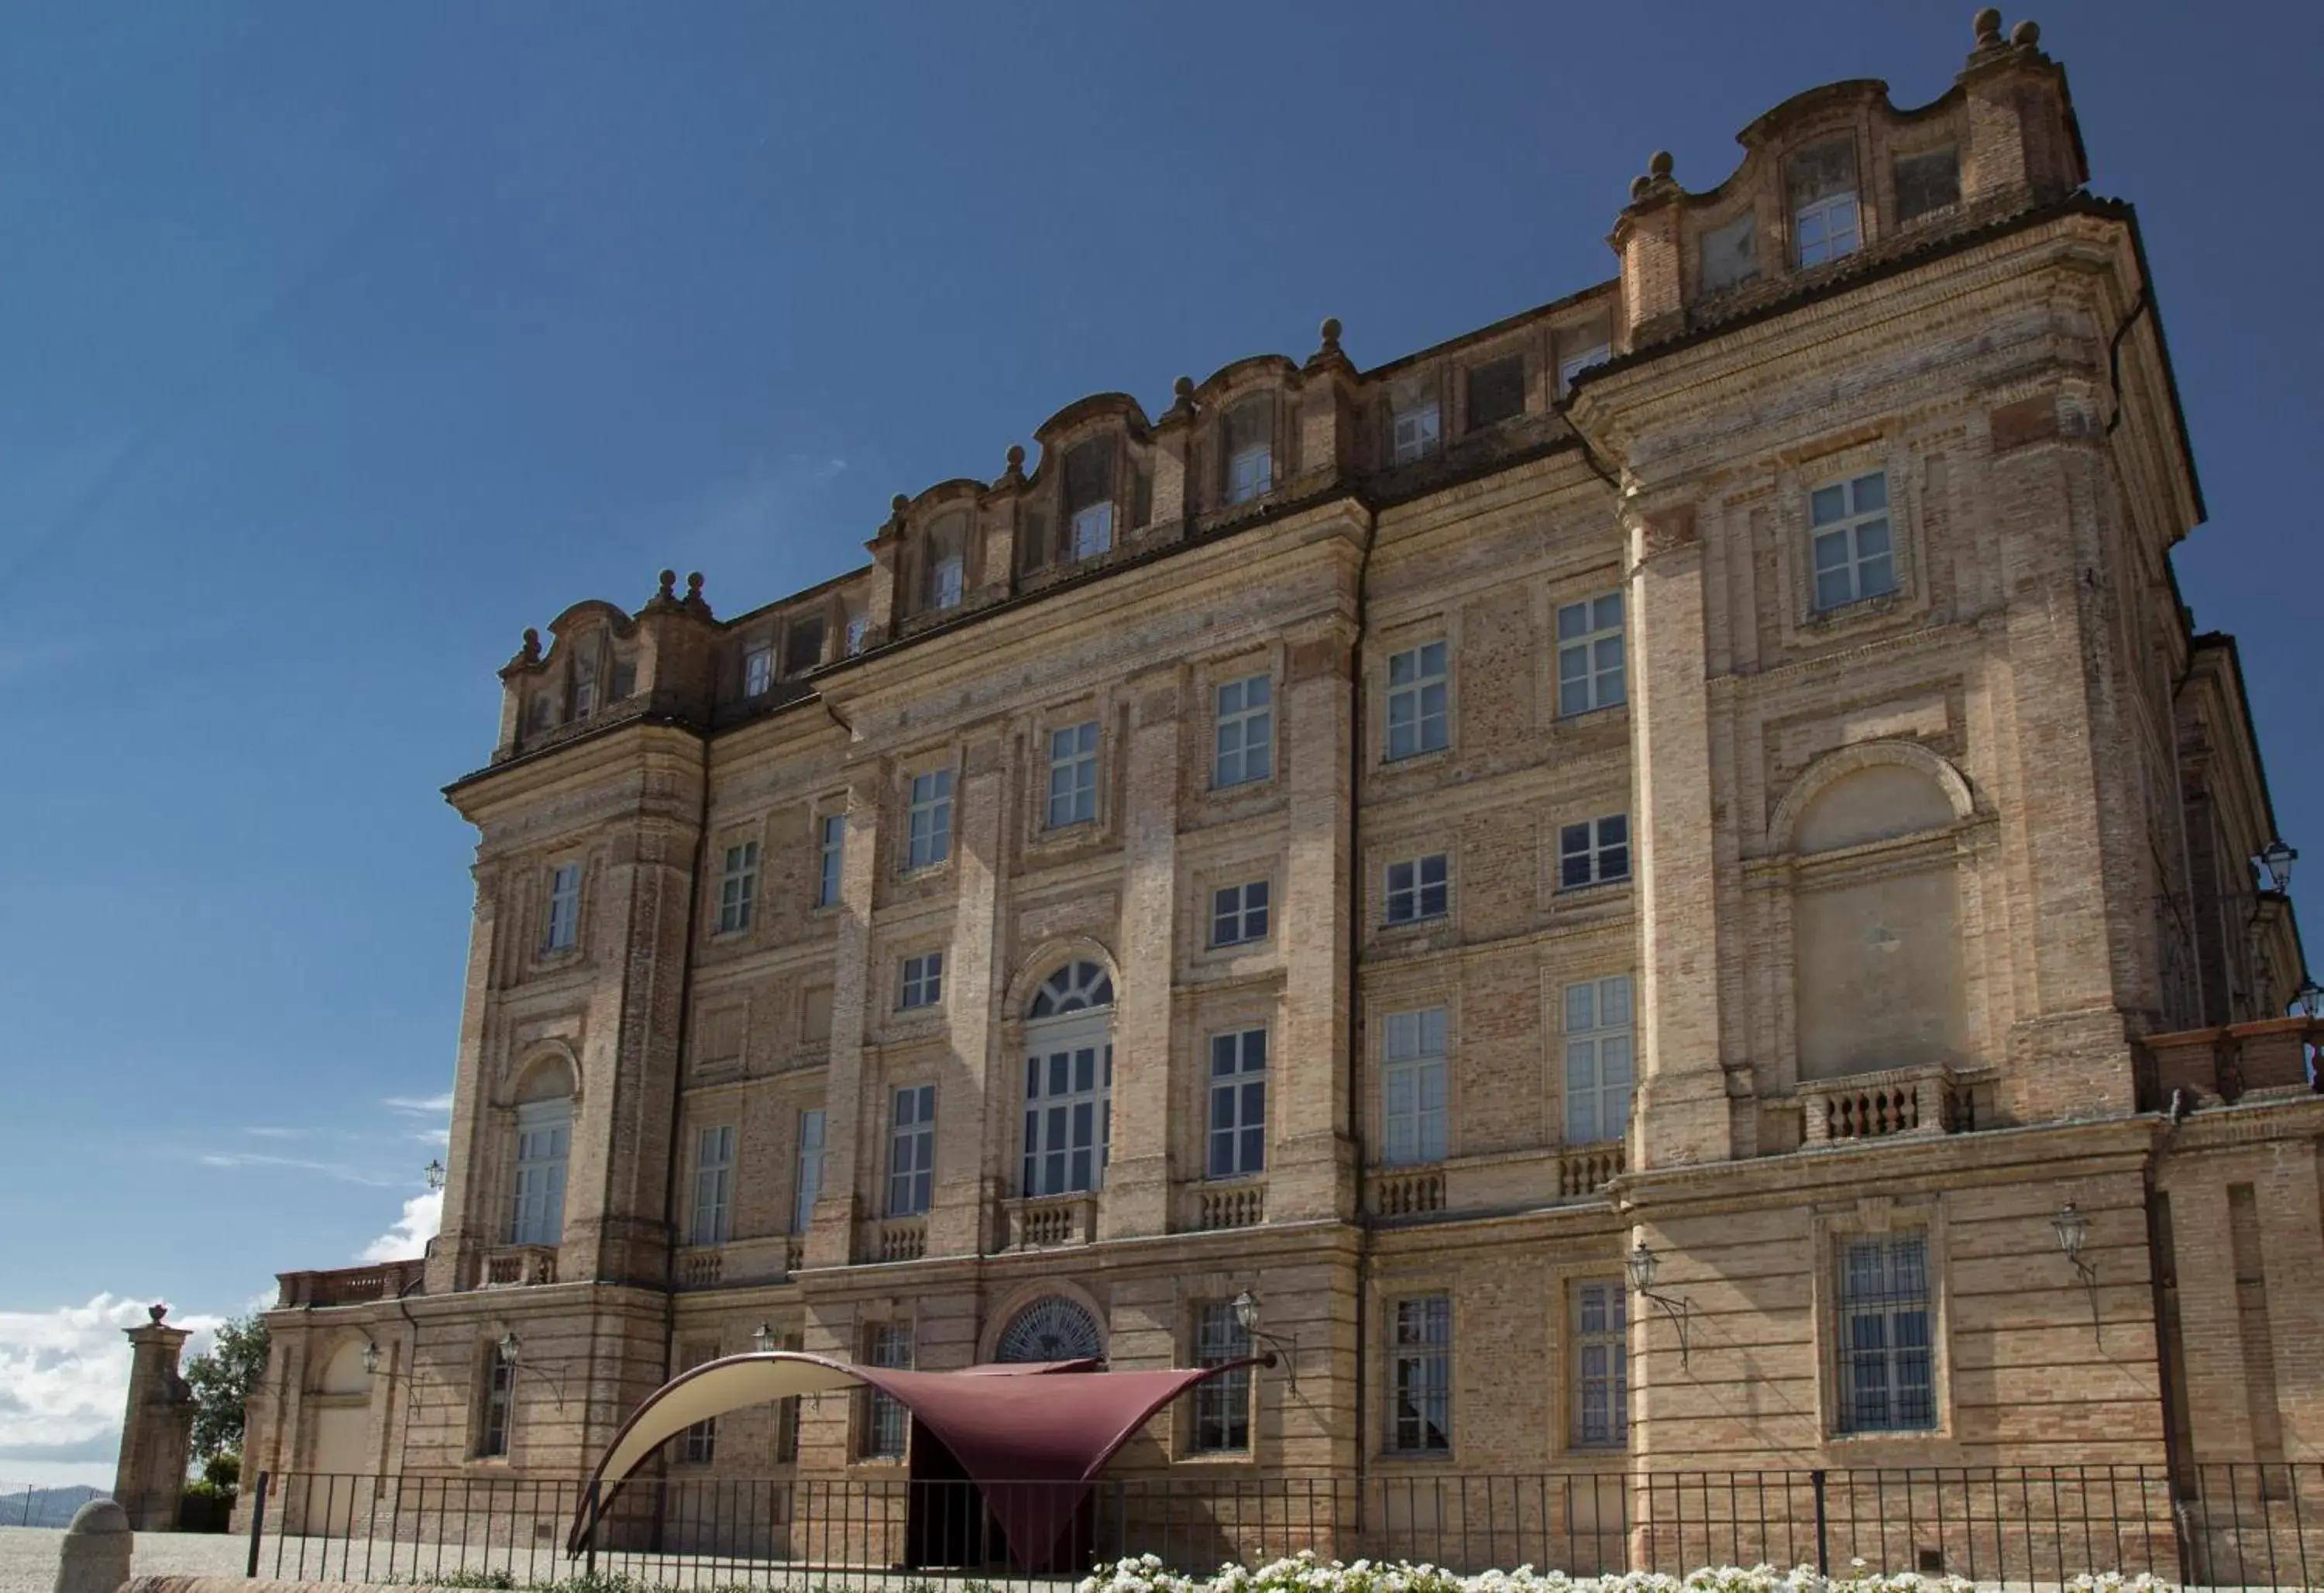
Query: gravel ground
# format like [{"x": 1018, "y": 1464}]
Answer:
[{"x": 28, "y": 1554}]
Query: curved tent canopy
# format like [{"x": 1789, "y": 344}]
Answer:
[{"x": 1004, "y": 1425}]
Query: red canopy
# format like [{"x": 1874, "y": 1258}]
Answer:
[{"x": 1017, "y": 1431}]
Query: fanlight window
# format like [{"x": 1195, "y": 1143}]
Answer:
[
  {"x": 1073, "y": 989},
  {"x": 1051, "y": 1328}
]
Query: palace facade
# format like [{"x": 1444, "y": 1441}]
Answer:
[{"x": 1716, "y": 765}]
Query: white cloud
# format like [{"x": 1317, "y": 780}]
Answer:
[
  {"x": 64, "y": 1378},
  {"x": 340, "y": 1171},
  {"x": 422, "y": 1105},
  {"x": 408, "y": 1239}
]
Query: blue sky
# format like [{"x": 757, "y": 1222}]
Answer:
[{"x": 338, "y": 346}]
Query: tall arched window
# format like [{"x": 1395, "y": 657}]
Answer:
[
  {"x": 1069, "y": 1081},
  {"x": 544, "y": 1139},
  {"x": 948, "y": 562},
  {"x": 1875, "y": 937}
]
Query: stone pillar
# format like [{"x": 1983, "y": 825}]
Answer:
[
  {"x": 1137, "y": 1179},
  {"x": 98, "y": 1546},
  {"x": 1311, "y": 1165},
  {"x": 964, "y": 1199},
  {"x": 1683, "y": 1116},
  {"x": 157, "y": 1430},
  {"x": 830, "y": 1237}
]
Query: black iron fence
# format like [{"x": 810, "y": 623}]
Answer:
[{"x": 2240, "y": 1526}]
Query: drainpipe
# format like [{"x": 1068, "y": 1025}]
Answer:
[{"x": 1355, "y": 1002}]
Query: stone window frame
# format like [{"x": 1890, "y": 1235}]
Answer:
[
  {"x": 1564, "y": 369},
  {"x": 1802, "y": 141},
  {"x": 1242, "y": 865},
  {"x": 808, "y": 1045},
  {"x": 1226, "y": 407},
  {"x": 1379, "y": 1007},
  {"x": 1579, "y": 593},
  {"x": 697, "y": 1166},
  {"x": 495, "y": 1387},
  {"x": 1409, "y": 635},
  {"x": 735, "y": 838},
  {"x": 1798, "y": 476},
  {"x": 1567, "y": 1280},
  {"x": 1562, "y": 982},
  {"x": 1230, "y": 1024},
  {"x": 1198, "y": 753},
  {"x": 906, "y": 1011},
  {"x": 1829, "y": 1227},
  {"x": 1430, "y": 386},
  {"x": 547, "y": 954},
  {"x": 1387, "y": 1293},
  {"x": 944, "y": 761},
  {"x": 1930, "y": 142},
  {"x": 871, "y": 1332},
  {"x": 1419, "y": 920},
  {"x": 923, "y": 1078},
  {"x": 1241, "y": 912},
  {"x": 1107, "y": 709},
  {"x": 1242, "y": 714},
  {"x": 1573, "y": 817},
  {"x": 1194, "y": 1290},
  {"x": 1523, "y": 349},
  {"x": 1072, "y": 748},
  {"x": 820, "y": 813}
]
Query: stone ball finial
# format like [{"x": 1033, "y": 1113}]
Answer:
[
  {"x": 1639, "y": 186},
  {"x": 899, "y": 504},
  {"x": 1988, "y": 23},
  {"x": 531, "y": 643},
  {"x": 1330, "y": 331},
  {"x": 1183, "y": 388},
  {"x": 2027, "y": 33},
  {"x": 694, "y": 585},
  {"x": 98, "y": 1515},
  {"x": 668, "y": 578},
  {"x": 1660, "y": 165},
  {"x": 1016, "y": 456}
]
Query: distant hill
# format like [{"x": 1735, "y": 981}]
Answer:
[{"x": 44, "y": 1506}]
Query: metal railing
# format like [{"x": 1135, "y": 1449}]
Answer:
[{"x": 2242, "y": 1526}]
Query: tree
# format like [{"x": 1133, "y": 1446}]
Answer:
[{"x": 223, "y": 1379}]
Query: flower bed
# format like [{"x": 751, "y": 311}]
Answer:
[{"x": 1304, "y": 1573}]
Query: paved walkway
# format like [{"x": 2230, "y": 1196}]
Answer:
[{"x": 28, "y": 1556}]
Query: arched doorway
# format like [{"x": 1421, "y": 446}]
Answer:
[
  {"x": 1052, "y": 1328},
  {"x": 1069, "y": 1081}
]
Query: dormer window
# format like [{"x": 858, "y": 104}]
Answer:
[
  {"x": 859, "y": 628},
  {"x": 758, "y": 669},
  {"x": 1415, "y": 423},
  {"x": 1826, "y": 222},
  {"x": 1250, "y": 449},
  {"x": 1927, "y": 181},
  {"x": 1578, "y": 351},
  {"x": 1496, "y": 391},
  {"x": 948, "y": 564},
  {"x": 803, "y": 643},
  {"x": 584, "y": 686},
  {"x": 1089, "y": 496},
  {"x": 1730, "y": 253}
]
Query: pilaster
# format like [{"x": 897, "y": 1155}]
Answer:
[
  {"x": 964, "y": 1195},
  {"x": 1138, "y": 1180},
  {"x": 830, "y": 1238}
]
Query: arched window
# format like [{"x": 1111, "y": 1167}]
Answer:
[
  {"x": 1069, "y": 1081},
  {"x": 544, "y": 1139},
  {"x": 948, "y": 562},
  {"x": 1073, "y": 988},
  {"x": 1875, "y": 938},
  {"x": 1052, "y": 1328},
  {"x": 1089, "y": 498}
]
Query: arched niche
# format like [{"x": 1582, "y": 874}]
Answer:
[
  {"x": 1875, "y": 914},
  {"x": 547, "y": 1075},
  {"x": 342, "y": 1372}
]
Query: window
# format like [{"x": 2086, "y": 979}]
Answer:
[
  {"x": 831, "y": 837},
  {"x": 1068, "y": 1083},
  {"x": 1222, "y": 1404},
  {"x": 714, "y": 1184},
  {"x": 1601, "y": 1365},
  {"x": 1571, "y": 367},
  {"x": 809, "y": 1187},
  {"x": 1416, "y": 890},
  {"x": 1853, "y": 557},
  {"x": 1412, "y": 1088},
  {"x": 1730, "y": 253},
  {"x": 947, "y": 576},
  {"x": 1593, "y": 852},
  {"x": 922, "y": 981},
  {"x": 1886, "y": 1377},
  {"x": 1089, "y": 496},
  {"x": 1238, "y": 1104},
  {"x": 564, "y": 907},
  {"x": 1418, "y": 697},
  {"x": 738, "y": 882},
  {"x": 786, "y": 1412},
  {"x": 1825, "y": 224},
  {"x": 803, "y": 643},
  {"x": 927, "y": 820},
  {"x": 1239, "y": 913},
  {"x": 1599, "y": 1068},
  {"x": 544, "y": 1137},
  {"x": 1927, "y": 181},
  {"x": 1249, "y": 451},
  {"x": 859, "y": 628},
  {"x": 758, "y": 669},
  {"x": 1496, "y": 391},
  {"x": 912, "y": 1150},
  {"x": 1420, "y": 1377},
  {"x": 1590, "y": 673},
  {"x": 1072, "y": 774},
  {"x": 584, "y": 686},
  {"x": 700, "y": 1446},
  {"x": 1246, "y": 731},
  {"x": 499, "y": 1382},
  {"x": 1415, "y": 429},
  {"x": 885, "y": 1424}
]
